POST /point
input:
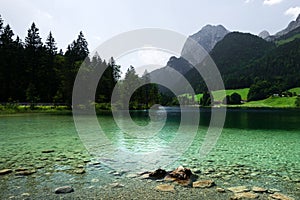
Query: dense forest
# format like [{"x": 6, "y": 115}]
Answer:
[
  {"x": 247, "y": 61},
  {"x": 33, "y": 71}
]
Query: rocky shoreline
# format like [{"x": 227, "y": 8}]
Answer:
[{"x": 157, "y": 184}]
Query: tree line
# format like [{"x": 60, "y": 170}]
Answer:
[{"x": 32, "y": 71}]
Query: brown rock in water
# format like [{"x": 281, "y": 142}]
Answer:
[
  {"x": 5, "y": 171},
  {"x": 25, "y": 172},
  {"x": 165, "y": 188},
  {"x": 203, "y": 184},
  {"x": 259, "y": 189},
  {"x": 280, "y": 196},
  {"x": 181, "y": 175},
  {"x": 158, "y": 174},
  {"x": 244, "y": 195},
  {"x": 238, "y": 189}
]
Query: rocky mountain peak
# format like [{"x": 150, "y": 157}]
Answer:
[
  {"x": 292, "y": 25},
  {"x": 208, "y": 36},
  {"x": 264, "y": 34}
]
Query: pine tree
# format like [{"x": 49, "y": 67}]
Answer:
[{"x": 51, "y": 45}]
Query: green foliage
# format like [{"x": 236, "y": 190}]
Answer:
[
  {"x": 206, "y": 99},
  {"x": 297, "y": 102},
  {"x": 233, "y": 99}
]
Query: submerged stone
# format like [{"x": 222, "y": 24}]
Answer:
[
  {"x": 280, "y": 196},
  {"x": 238, "y": 189},
  {"x": 165, "y": 188},
  {"x": 244, "y": 195},
  {"x": 258, "y": 189},
  {"x": 203, "y": 184},
  {"x": 48, "y": 151},
  {"x": 25, "y": 172},
  {"x": 63, "y": 190},
  {"x": 5, "y": 171}
]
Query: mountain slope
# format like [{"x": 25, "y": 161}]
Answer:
[{"x": 232, "y": 54}]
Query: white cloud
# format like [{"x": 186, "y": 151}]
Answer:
[
  {"x": 248, "y": 1},
  {"x": 271, "y": 2},
  {"x": 294, "y": 11}
]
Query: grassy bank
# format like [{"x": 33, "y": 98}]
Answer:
[{"x": 12, "y": 109}]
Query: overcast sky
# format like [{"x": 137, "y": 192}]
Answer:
[{"x": 102, "y": 19}]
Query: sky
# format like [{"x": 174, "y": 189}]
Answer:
[{"x": 102, "y": 19}]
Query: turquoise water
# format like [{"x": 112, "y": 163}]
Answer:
[{"x": 260, "y": 147}]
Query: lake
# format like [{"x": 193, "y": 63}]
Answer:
[{"x": 257, "y": 147}]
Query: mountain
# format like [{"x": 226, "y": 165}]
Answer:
[
  {"x": 232, "y": 54},
  {"x": 207, "y": 37},
  {"x": 292, "y": 26},
  {"x": 264, "y": 34}
]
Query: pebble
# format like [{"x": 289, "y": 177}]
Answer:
[
  {"x": 48, "y": 151},
  {"x": 258, "y": 189},
  {"x": 116, "y": 185},
  {"x": 25, "y": 172},
  {"x": 165, "y": 188},
  {"x": 221, "y": 190},
  {"x": 203, "y": 184},
  {"x": 95, "y": 180},
  {"x": 280, "y": 196},
  {"x": 238, "y": 189},
  {"x": 5, "y": 171},
  {"x": 273, "y": 190},
  {"x": 244, "y": 195},
  {"x": 63, "y": 190},
  {"x": 25, "y": 194},
  {"x": 79, "y": 171}
]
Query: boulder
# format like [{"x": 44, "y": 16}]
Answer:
[
  {"x": 158, "y": 174},
  {"x": 181, "y": 175}
]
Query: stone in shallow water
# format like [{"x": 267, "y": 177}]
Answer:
[
  {"x": 280, "y": 196},
  {"x": 220, "y": 190},
  {"x": 258, "y": 189},
  {"x": 63, "y": 190},
  {"x": 203, "y": 184},
  {"x": 116, "y": 185},
  {"x": 48, "y": 151},
  {"x": 5, "y": 171},
  {"x": 273, "y": 190},
  {"x": 244, "y": 195},
  {"x": 25, "y": 172},
  {"x": 165, "y": 188},
  {"x": 238, "y": 189},
  {"x": 79, "y": 171}
]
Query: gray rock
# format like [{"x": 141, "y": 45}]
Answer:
[{"x": 63, "y": 190}]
